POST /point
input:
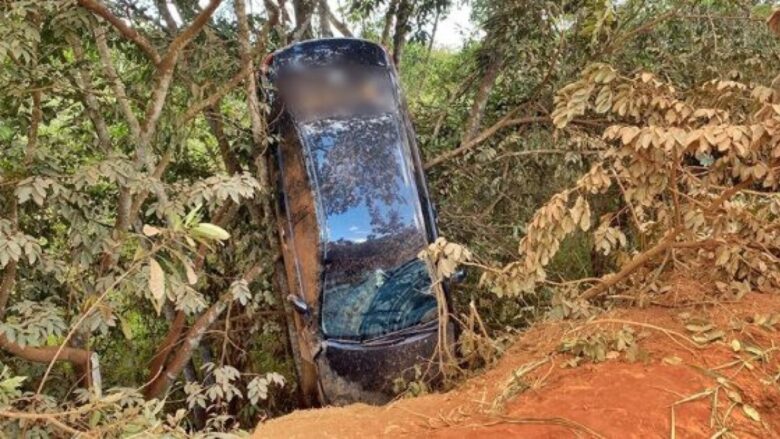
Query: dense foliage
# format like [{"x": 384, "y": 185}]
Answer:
[{"x": 581, "y": 149}]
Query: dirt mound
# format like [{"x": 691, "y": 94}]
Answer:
[{"x": 698, "y": 369}]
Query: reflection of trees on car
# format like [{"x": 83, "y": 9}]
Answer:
[
  {"x": 348, "y": 260},
  {"x": 357, "y": 164},
  {"x": 376, "y": 287},
  {"x": 383, "y": 226}
]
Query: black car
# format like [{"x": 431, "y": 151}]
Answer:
[{"x": 353, "y": 215}]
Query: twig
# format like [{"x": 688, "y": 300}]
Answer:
[
  {"x": 669, "y": 333},
  {"x": 84, "y": 316},
  {"x": 559, "y": 421},
  {"x": 47, "y": 418},
  {"x": 128, "y": 32}
]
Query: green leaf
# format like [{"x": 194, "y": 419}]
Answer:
[
  {"x": 210, "y": 231},
  {"x": 192, "y": 215},
  {"x": 127, "y": 330},
  {"x": 94, "y": 419}
]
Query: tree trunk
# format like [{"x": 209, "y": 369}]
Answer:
[
  {"x": 303, "y": 10},
  {"x": 340, "y": 25},
  {"x": 402, "y": 28},
  {"x": 389, "y": 15},
  {"x": 474, "y": 121},
  {"x": 325, "y": 30}
]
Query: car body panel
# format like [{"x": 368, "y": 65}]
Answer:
[{"x": 353, "y": 215}]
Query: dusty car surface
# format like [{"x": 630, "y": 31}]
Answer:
[{"x": 353, "y": 215}]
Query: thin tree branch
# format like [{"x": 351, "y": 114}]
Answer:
[
  {"x": 63, "y": 348},
  {"x": 246, "y": 68},
  {"x": 91, "y": 105},
  {"x": 483, "y": 94},
  {"x": 503, "y": 123},
  {"x": 340, "y": 25},
  {"x": 646, "y": 27},
  {"x": 50, "y": 418},
  {"x": 116, "y": 84},
  {"x": 223, "y": 216},
  {"x": 664, "y": 244},
  {"x": 46, "y": 354},
  {"x": 32, "y": 133},
  {"x": 128, "y": 32},
  {"x": 193, "y": 337},
  {"x": 533, "y": 152},
  {"x": 214, "y": 120}
]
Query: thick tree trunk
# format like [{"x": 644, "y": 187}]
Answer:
[
  {"x": 474, "y": 121},
  {"x": 402, "y": 28},
  {"x": 322, "y": 11},
  {"x": 389, "y": 15},
  {"x": 303, "y": 10}
]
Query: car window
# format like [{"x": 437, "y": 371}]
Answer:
[{"x": 371, "y": 224}]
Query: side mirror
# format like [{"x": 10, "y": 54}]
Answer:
[{"x": 299, "y": 304}]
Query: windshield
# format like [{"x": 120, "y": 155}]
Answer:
[{"x": 372, "y": 227}]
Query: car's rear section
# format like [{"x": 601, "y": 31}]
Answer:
[{"x": 353, "y": 215}]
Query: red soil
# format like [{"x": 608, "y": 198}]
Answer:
[{"x": 615, "y": 398}]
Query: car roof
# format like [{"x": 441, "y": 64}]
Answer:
[{"x": 326, "y": 52}]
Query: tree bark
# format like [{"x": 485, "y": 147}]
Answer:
[
  {"x": 303, "y": 10},
  {"x": 45, "y": 354},
  {"x": 128, "y": 32},
  {"x": 322, "y": 11},
  {"x": 402, "y": 28},
  {"x": 340, "y": 25},
  {"x": 389, "y": 15},
  {"x": 483, "y": 94}
]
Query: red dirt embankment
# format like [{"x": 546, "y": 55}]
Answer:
[{"x": 723, "y": 386}]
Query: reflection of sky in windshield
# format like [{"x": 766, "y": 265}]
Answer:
[
  {"x": 361, "y": 177},
  {"x": 355, "y": 224}
]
